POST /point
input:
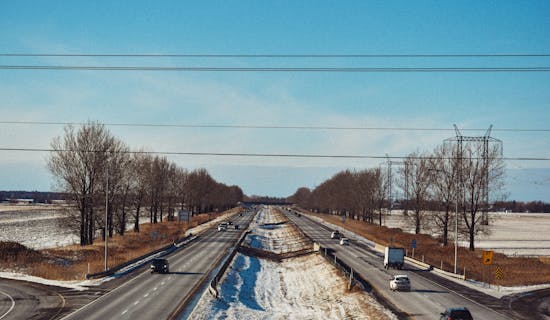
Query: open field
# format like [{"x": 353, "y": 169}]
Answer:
[{"x": 514, "y": 234}]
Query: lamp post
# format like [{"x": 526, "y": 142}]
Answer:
[
  {"x": 106, "y": 210},
  {"x": 456, "y": 223}
]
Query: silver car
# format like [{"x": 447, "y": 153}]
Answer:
[{"x": 400, "y": 282}]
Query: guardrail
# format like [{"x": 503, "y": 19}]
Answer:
[
  {"x": 355, "y": 278},
  {"x": 213, "y": 288},
  {"x": 144, "y": 258}
]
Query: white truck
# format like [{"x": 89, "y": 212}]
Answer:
[{"x": 394, "y": 257}]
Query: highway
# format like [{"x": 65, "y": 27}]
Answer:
[
  {"x": 155, "y": 296},
  {"x": 428, "y": 297}
]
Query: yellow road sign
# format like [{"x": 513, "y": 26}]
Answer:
[
  {"x": 487, "y": 257},
  {"x": 498, "y": 273}
]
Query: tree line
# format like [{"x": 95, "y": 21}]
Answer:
[
  {"x": 435, "y": 186},
  {"x": 112, "y": 186}
]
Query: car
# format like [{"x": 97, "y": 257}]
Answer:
[
  {"x": 335, "y": 234},
  {"x": 344, "y": 242},
  {"x": 222, "y": 227},
  {"x": 236, "y": 226},
  {"x": 229, "y": 222},
  {"x": 400, "y": 282},
  {"x": 456, "y": 314},
  {"x": 160, "y": 265}
]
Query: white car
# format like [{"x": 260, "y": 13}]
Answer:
[
  {"x": 335, "y": 234},
  {"x": 222, "y": 227},
  {"x": 400, "y": 282},
  {"x": 344, "y": 242}
]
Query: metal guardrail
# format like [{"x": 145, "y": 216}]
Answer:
[
  {"x": 355, "y": 278},
  {"x": 168, "y": 248},
  {"x": 228, "y": 260}
]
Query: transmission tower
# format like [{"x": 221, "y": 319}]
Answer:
[
  {"x": 460, "y": 139},
  {"x": 389, "y": 163}
]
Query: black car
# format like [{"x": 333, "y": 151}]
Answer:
[
  {"x": 159, "y": 265},
  {"x": 456, "y": 314}
]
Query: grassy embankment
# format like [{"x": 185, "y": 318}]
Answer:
[
  {"x": 75, "y": 261},
  {"x": 517, "y": 271}
]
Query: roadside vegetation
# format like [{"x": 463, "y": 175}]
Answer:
[
  {"x": 517, "y": 271},
  {"x": 74, "y": 262},
  {"x": 110, "y": 185}
]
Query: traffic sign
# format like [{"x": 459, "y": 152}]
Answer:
[
  {"x": 498, "y": 273},
  {"x": 413, "y": 244},
  {"x": 487, "y": 257}
]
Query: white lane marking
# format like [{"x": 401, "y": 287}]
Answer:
[
  {"x": 155, "y": 288},
  {"x": 146, "y": 295},
  {"x": 162, "y": 283},
  {"x": 12, "y": 304},
  {"x": 136, "y": 303},
  {"x": 124, "y": 312}
]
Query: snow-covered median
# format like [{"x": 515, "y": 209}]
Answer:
[{"x": 306, "y": 287}]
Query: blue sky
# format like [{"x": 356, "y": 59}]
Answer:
[{"x": 419, "y": 100}]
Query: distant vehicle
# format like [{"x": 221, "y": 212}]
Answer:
[
  {"x": 344, "y": 242},
  {"x": 456, "y": 314},
  {"x": 335, "y": 234},
  {"x": 394, "y": 257},
  {"x": 229, "y": 222},
  {"x": 400, "y": 282},
  {"x": 222, "y": 226},
  {"x": 159, "y": 265},
  {"x": 236, "y": 226}
]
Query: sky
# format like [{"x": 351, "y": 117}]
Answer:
[{"x": 425, "y": 100}]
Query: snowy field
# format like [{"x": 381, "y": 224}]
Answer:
[
  {"x": 36, "y": 227},
  {"x": 306, "y": 287},
  {"x": 514, "y": 234}
]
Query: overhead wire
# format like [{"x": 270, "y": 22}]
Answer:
[
  {"x": 284, "y": 55},
  {"x": 264, "y": 155},
  {"x": 279, "y": 69},
  {"x": 286, "y": 127}
]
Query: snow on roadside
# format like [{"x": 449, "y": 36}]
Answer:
[
  {"x": 306, "y": 287},
  {"x": 76, "y": 285},
  {"x": 299, "y": 288}
]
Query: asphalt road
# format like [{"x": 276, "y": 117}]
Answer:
[
  {"x": 155, "y": 296},
  {"x": 25, "y": 300},
  {"x": 428, "y": 296}
]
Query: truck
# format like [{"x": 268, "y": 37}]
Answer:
[{"x": 394, "y": 257}]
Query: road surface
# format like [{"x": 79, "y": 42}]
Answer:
[
  {"x": 155, "y": 296},
  {"x": 429, "y": 296}
]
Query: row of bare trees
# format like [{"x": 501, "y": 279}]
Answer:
[
  {"x": 358, "y": 195},
  {"x": 436, "y": 186},
  {"x": 111, "y": 185}
]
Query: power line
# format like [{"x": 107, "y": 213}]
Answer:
[
  {"x": 277, "y": 69},
  {"x": 229, "y": 126},
  {"x": 197, "y": 55},
  {"x": 263, "y": 155}
]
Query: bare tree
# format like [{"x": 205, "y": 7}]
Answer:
[
  {"x": 76, "y": 163},
  {"x": 443, "y": 182},
  {"x": 477, "y": 173},
  {"x": 416, "y": 173}
]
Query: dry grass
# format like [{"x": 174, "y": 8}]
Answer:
[
  {"x": 74, "y": 262},
  {"x": 516, "y": 270}
]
